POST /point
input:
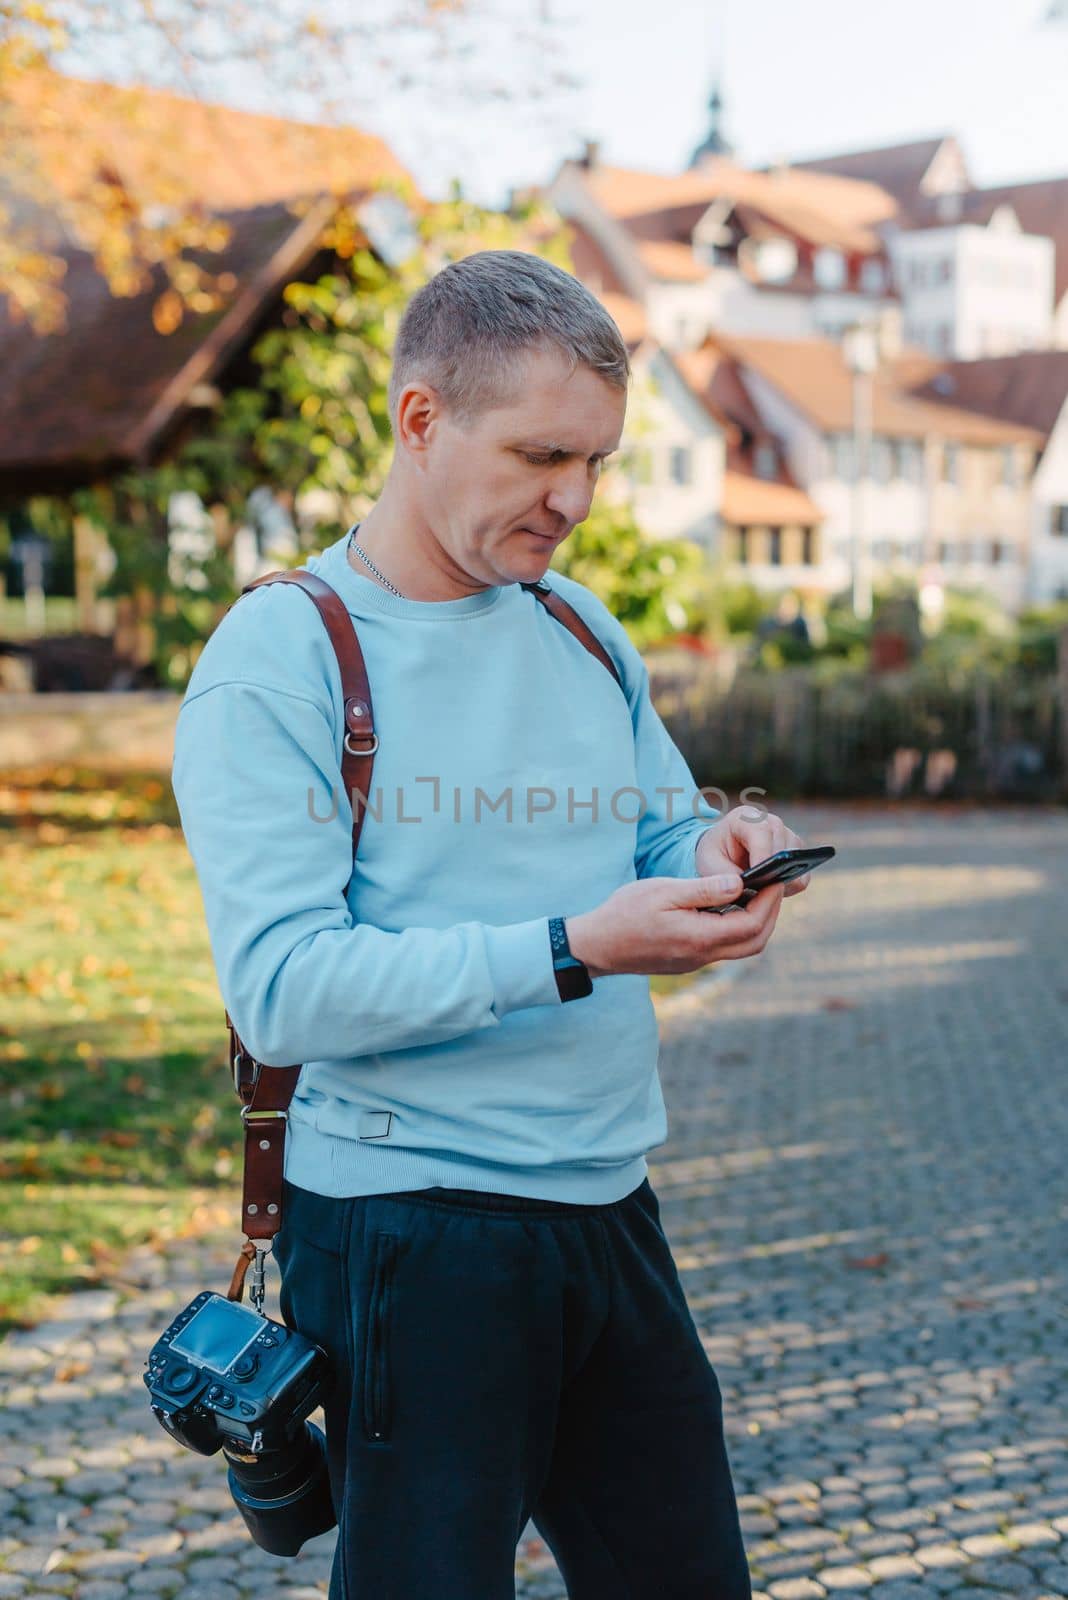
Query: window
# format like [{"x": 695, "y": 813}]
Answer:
[
  {"x": 945, "y": 552},
  {"x": 764, "y": 461},
  {"x": 881, "y": 460},
  {"x": 681, "y": 464},
  {"x": 808, "y": 547},
  {"x": 951, "y": 464},
  {"x": 743, "y": 546},
  {"x": 910, "y": 461},
  {"x": 872, "y": 276},
  {"x": 775, "y": 546},
  {"x": 1059, "y": 521},
  {"x": 829, "y": 268},
  {"x": 997, "y": 551},
  {"x": 775, "y": 260},
  {"x": 842, "y": 455}
]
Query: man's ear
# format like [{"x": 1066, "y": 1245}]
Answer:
[{"x": 419, "y": 410}]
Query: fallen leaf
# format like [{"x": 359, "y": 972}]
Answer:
[
  {"x": 878, "y": 1260},
  {"x": 835, "y": 1002},
  {"x": 72, "y": 1369}
]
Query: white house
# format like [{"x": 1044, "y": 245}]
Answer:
[
  {"x": 945, "y": 489},
  {"x": 1030, "y": 388},
  {"x": 980, "y": 271}
]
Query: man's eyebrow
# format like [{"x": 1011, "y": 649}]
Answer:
[{"x": 549, "y": 449}]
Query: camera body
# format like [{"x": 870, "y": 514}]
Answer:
[
  {"x": 222, "y": 1376},
  {"x": 222, "y": 1371}
]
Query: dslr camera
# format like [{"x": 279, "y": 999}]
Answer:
[{"x": 222, "y": 1376}]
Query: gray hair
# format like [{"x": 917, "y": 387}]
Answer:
[{"x": 466, "y": 331}]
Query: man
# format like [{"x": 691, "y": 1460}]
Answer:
[{"x": 469, "y": 1229}]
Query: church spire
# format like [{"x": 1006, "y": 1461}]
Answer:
[{"x": 715, "y": 142}]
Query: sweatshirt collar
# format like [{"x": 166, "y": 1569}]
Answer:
[{"x": 362, "y": 594}]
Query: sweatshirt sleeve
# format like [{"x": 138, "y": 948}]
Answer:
[
  {"x": 300, "y": 979},
  {"x": 675, "y": 814}
]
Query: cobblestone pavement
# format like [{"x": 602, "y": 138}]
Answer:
[{"x": 865, "y": 1192}]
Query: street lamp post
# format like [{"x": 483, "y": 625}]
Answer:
[{"x": 861, "y": 351}]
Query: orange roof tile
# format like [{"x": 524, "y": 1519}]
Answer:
[
  {"x": 747, "y": 500},
  {"x": 627, "y": 314},
  {"x": 168, "y": 149},
  {"x": 817, "y": 206},
  {"x": 667, "y": 260},
  {"x": 79, "y": 403},
  {"x": 812, "y": 373}
]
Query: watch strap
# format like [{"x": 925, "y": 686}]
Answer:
[{"x": 573, "y": 980}]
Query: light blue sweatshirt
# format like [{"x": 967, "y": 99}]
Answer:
[{"x": 419, "y": 997}]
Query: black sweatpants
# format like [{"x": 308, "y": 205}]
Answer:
[{"x": 500, "y": 1359}]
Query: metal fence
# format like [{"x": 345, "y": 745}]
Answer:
[{"x": 800, "y": 732}]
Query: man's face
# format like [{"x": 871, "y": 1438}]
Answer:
[{"x": 501, "y": 494}]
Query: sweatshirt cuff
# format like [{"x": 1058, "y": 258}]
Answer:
[{"x": 521, "y": 966}]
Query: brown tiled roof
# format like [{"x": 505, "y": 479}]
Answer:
[
  {"x": 94, "y": 397},
  {"x": 593, "y": 266},
  {"x": 595, "y": 269},
  {"x": 748, "y": 499},
  {"x": 671, "y": 262},
  {"x": 682, "y": 363},
  {"x": 626, "y": 192},
  {"x": 816, "y": 207},
  {"x": 1030, "y": 387},
  {"x": 170, "y": 149},
  {"x": 100, "y": 393},
  {"x": 897, "y": 168},
  {"x": 628, "y": 316},
  {"x": 714, "y": 380},
  {"x": 813, "y": 375}
]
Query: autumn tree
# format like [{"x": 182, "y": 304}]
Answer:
[{"x": 104, "y": 167}]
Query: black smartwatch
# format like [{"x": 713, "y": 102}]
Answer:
[{"x": 572, "y": 977}]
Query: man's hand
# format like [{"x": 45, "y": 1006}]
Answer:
[
  {"x": 657, "y": 925},
  {"x": 739, "y": 840}
]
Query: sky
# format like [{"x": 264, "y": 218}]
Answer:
[{"x": 799, "y": 78}]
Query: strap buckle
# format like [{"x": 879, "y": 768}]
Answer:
[
  {"x": 245, "y": 1071},
  {"x": 248, "y": 1115}
]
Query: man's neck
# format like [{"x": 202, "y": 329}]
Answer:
[{"x": 405, "y": 551}]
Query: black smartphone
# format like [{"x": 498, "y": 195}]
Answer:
[{"x": 783, "y": 866}]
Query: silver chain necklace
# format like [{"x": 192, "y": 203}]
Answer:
[{"x": 365, "y": 558}]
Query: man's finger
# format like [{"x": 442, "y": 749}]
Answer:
[{"x": 761, "y": 839}]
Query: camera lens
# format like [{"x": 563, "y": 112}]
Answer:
[{"x": 284, "y": 1495}]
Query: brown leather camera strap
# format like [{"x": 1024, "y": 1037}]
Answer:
[{"x": 266, "y": 1091}]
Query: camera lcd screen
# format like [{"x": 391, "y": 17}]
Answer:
[{"x": 215, "y": 1338}]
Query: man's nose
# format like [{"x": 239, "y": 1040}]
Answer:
[{"x": 572, "y": 495}]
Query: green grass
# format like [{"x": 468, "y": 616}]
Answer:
[
  {"x": 120, "y": 1125},
  {"x": 61, "y": 616},
  {"x": 119, "y": 1121}
]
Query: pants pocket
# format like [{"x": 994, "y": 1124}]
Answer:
[{"x": 377, "y": 1397}]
